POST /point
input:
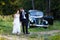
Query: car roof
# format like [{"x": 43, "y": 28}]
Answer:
[{"x": 34, "y": 11}]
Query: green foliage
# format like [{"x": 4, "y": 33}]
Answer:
[
  {"x": 6, "y": 18},
  {"x": 10, "y": 6},
  {"x": 7, "y": 8}
]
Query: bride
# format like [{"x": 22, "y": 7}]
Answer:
[{"x": 16, "y": 24}]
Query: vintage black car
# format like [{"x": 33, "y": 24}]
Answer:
[{"x": 36, "y": 18}]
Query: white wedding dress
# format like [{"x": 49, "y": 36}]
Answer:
[{"x": 16, "y": 25}]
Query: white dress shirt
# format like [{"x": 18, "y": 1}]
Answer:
[{"x": 23, "y": 13}]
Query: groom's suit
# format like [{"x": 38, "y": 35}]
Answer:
[{"x": 24, "y": 22}]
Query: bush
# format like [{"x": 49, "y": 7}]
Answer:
[{"x": 8, "y": 18}]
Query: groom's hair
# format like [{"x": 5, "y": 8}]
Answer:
[{"x": 21, "y": 8}]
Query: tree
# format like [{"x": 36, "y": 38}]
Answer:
[{"x": 10, "y": 6}]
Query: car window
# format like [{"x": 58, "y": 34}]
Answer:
[{"x": 36, "y": 13}]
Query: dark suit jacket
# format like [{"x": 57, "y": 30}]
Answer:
[
  {"x": 20, "y": 16},
  {"x": 26, "y": 15}
]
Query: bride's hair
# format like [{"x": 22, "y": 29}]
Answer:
[{"x": 17, "y": 10}]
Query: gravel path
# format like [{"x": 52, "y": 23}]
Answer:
[
  {"x": 47, "y": 32},
  {"x": 23, "y": 37}
]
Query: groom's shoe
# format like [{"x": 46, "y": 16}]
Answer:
[
  {"x": 24, "y": 32},
  {"x": 27, "y": 33}
]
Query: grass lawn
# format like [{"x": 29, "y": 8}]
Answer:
[
  {"x": 6, "y": 25},
  {"x": 56, "y": 26}
]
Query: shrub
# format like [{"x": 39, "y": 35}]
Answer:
[{"x": 8, "y": 18}]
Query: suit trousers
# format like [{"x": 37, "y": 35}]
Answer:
[{"x": 25, "y": 26}]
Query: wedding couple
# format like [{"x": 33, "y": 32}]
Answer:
[{"x": 20, "y": 20}]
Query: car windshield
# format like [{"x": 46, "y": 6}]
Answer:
[{"x": 36, "y": 13}]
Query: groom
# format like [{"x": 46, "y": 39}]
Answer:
[{"x": 24, "y": 21}]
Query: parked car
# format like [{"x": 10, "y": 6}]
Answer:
[
  {"x": 50, "y": 19},
  {"x": 35, "y": 18}
]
